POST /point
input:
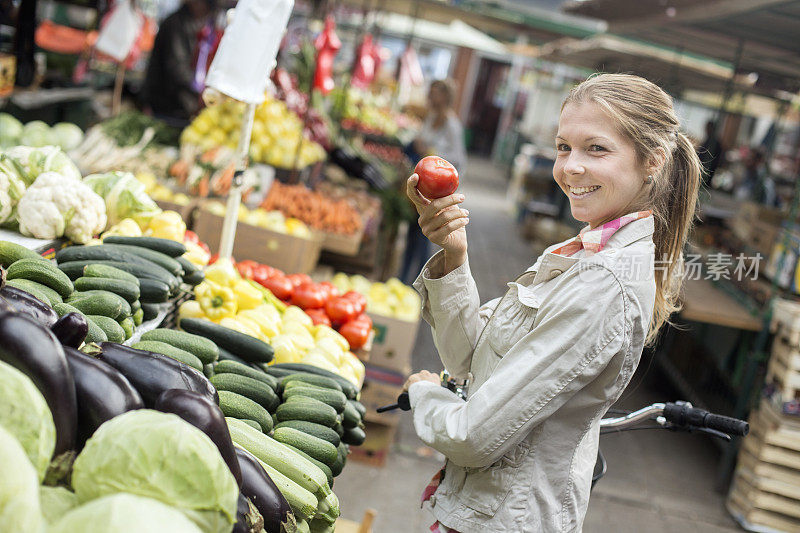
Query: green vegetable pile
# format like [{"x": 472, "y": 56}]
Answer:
[{"x": 127, "y": 129}]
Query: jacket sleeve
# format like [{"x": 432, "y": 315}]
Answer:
[
  {"x": 451, "y": 305},
  {"x": 574, "y": 339}
]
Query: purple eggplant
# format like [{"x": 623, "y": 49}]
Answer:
[
  {"x": 33, "y": 349},
  {"x": 153, "y": 373},
  {"x": 248, "y": 519},
  {"x": 102, "y": 392},
  {"x": 261, "y": 490},
  {"x": 24, "y": 303},
  {"x": 71, "y": 329},
  {"x": 206, "y": 416}
]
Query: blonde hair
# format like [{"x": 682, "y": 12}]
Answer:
[
  {"x": 448, "y": 88},
  {"x": 644, "y": 113}
]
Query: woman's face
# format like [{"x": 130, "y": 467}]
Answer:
[
  {"x": 437, "y": 98},
  {"x": 596, "y": 165}
]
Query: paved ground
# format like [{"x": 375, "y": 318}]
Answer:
[{"x": 657, "y": 482}]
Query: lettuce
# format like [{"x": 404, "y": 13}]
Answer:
[
  {"x": 34, "y": 161},
  {"x": 124, "y": 513},
  {"x": 158, "y": 455},
  {"x": 66, "y": 135},
  {"x": 35, "y": 133},
  {"x": 56, "y": 502},
  {"x": 125, "y": 196},
  {"x": 20, "y": 509},
  {"x": 10, "y": 130}
]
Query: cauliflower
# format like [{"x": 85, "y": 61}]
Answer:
[
  {"x": 11, "y": 190},
  {"x": 56, "y": 206}
]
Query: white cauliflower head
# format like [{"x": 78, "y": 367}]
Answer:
[{"x": 55, "y": 206}]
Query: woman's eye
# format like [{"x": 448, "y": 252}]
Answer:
[
  {"x": 562, "y": 147},
  {"x": 596, "y": 148}
]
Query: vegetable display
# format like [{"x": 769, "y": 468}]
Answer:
[
  {"x": 20, "y": 509},
  {"x": 313, "y": 208}
]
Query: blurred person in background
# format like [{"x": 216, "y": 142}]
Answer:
[
  {"x": 757, "y": 185},
  {"x": 181, "y": 54},
  {"x": 442, "y": 134}
]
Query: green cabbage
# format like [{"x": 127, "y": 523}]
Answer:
[
  {"x": 159, "y": 456},
  {"x": 20, "y": 509},
  {"x": 125, "y": 196},
  {"x": 10, "y": 130},
  {"x": 36, "y": 134},
  {"x": 67, "y": 135},
  {"x": 56, "y": 502},
  {"x": 124, "y": 513},
  {"x": 24, "y": 412},
  {"x": 35, "y": 161}
]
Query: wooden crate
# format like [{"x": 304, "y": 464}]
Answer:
[
  {"x": 785, "y": 323},
  {"x": 762, "y": 511},
  {"x": 783, "y": 370}
]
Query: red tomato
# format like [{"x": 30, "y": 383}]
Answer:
[
  {"x": 190, "y": 236},
  {"x": 341, "y": 310},
  {"x": 333, "y": 292},
  {"x": 359, "y": 299},
  {"x": 364, "y": 319},
  {"x": 246, "y": 268},
  {"x": 437, "y": 177},
  {"x": 319, "y": 316},
  {"x": 271, "y": 272},
  {"x": 280, "y": 286},
  {"x": 214, "y": 258},
  {"x": 299, "y": 279},
  {"x": 356, "y": 332},
  {"x": 308, "y": 296}
]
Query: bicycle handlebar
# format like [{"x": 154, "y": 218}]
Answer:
[{"x": 684, "y": 414}]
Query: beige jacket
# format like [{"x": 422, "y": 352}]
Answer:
[{"x": 546, "y": 361}]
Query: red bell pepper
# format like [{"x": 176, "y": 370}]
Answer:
[
  {"x": 280, "y": 286},
  {"x": 341, "y": 310},
  {"x": 319, "y": 317},
  {"x": 357, "y": 332}
]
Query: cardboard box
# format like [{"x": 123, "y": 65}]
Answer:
[
  {"x": 375, "y": 449},
  {"x": 286, "y": 252},
  {"x": 381, "y": 387},
  {"x": 393, "y": 343},
  {"x": 342, "y": 244}
]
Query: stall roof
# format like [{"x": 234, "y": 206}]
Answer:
[
  {"x": 766, "y": 30},
  {"x": 457, "y": 33},
  {"x": 669, "y": 68}
]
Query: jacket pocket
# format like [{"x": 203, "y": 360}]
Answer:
[
  {"x": 485, "y": 489},
  {"x": 513, "y": 319}
]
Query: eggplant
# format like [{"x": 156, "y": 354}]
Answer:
[
  {"x": 248, "y": 519},
  {"x": 102, "y": 392},
  {"x": 261, "y": 490},
  {"x": 206, "y": 416},
  {"x": 24, "y": 303},
  {"x": 153, "y": 373},
  {"x": 33, "y": 349},
  {"x": 71, "y": 329}
]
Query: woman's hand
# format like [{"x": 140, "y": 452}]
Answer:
[
  {"x": 442, "y": 221},
  {"x": 422, "y": 376}
]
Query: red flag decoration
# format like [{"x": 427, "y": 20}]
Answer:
[
  {"x": 364, "y": 70},
  {"x": 327, "y": 45}
]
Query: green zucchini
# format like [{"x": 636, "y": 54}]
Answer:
[
  {"x": 167, "y": 247},
  {"x": 321, "y": 525},
  {"x": 110, "y": 327},
  {"x": 238, "y": 406},
  {"x": 225, "y": 355},
  {"x": 309, "y": 409},
  {"x": 312, "y": 379},
  {"x": 348, "y": 387},
  {"x": 99, "y": 270},
  {"x": 250, "y": 388},
  {"x": 317, "y": 448},
  {"x": 73, "y": 269},
  {"x": 208, "y": 371},
  {"x": 150, "y": 311},
  {"x": 334, "y": 398},
  {"x": 350, "y": 417},
  {"x": 302, "y": 502},
  {"x": 162, "y": 260},
  {"x": 338, "y": 466},
  {"x": 153, "y": 291},
  {"x": 127, "y": 289},
  {"x": 34, "y": 288},
  {"x": 11, "y": 252},
  {"x": 246, "y": 347},
  {"x": 128, "y": 325},
  {"x": 354, "y": 436},
  {"x": 43, "y": 272},
  {"x": 95, "y": 334},
  {"x": 191, "y": 274},
  {"x": 141, "y": 271},
  {"x": 138, "y": 317},
  {"x": 322, "y": 466},
  {"x": 318, "y": 430},
  {"x": 362, "y": 411},
  {"x": 104, "y": 303},
  {"x": 252, "y": 423},
  {"x": 339, "y": 429},
  {"x": 179, "y": 355},
  {"x": 202, "y": 348},
  {"x": 234, "y": 367}
]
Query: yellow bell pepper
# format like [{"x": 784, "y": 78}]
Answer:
[
  {"x": 196, "y": 255},
  {"x": 222, "y": 273},
  {"x": 285, "y": 350},
  {"x": 324, "y": 331},
  {"x": 191, "y": 309},
  {"x": 247, "y": 296},
  {"x": 266, "y": 324},
  {"x": 237, "y": 325},
  {"x": 167, "y": 225},
  {"x": 268, "y": 296},
  {"x": 216, "y": 301},
  {"x": 126, "y": 227}
]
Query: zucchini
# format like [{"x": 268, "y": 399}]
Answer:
[
  {"x": 238, "y": 406},
  {"x": 246, "y": 347},
  {"x": 103, "y": 303},
  {"x": 312, "y": 379},
  {"x": 351, "y": 417},
  {"x": 317, "y": 448},
  {"x": 302, "y": 502},
  {"x": 327, "y": 511},
  {"x": 362, "y": 411},
  {"x": 95, "y": 334},
  {"x": 250, "y": 388},
  {"x": 110, "y": 327},
  {"x": 99, "y": 270},
  {"x": 138, "y": 317},
  {"x": 354, "y": 436},
  {"x": 162, "y": 260},
  {"x": 208, "y": 371},
  {"x": 308, "y": 409},
  {"x": 321, "y": 525},
  {"x": 277, "y": 373},
  {"x": 11, "y": 252},
  {"x": 127, "y": 289},
  {"x": 43, "y": 272},
  {"x": 135, "y": 306},
  {"x": 348, "y": 387},
  {"x": 128, "y": 326},
  {"x": 153, "y": 291},
  {"x": 103, "y": 252},
  {"x": 339, "y": 429},
  {"x": 191, "y": 274},
  {"x": 167, "y": 247},
  {"x": 279, "y": 457},
  {"x": 317, "y": 430},
  {"x": 322, "y": 466},
  {"x": 303, "y": 527},
  {"x": 73, "y": 269},
  {"x": 234, "y": 367},
  {"x": 225, "y": 355},
  {"x": 182, "y": 356},
  {"x": 338, "y": 466},
  {"x": 34, "y": 288},
  {"x": 334, "y": 398},
  {"x": 141, "y": 271},
  {"x": 252, "y": 423},
  {"x": 150, "y": 311},
  {"x": 200, "y": 347}
]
